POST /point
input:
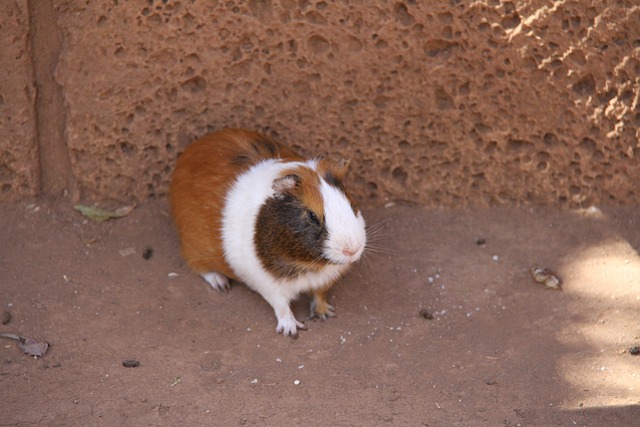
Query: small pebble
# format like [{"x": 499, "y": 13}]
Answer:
[
  {"x": 426, "y": 314},
  {"x": 130, "y": 363},
  {"x": 6, "y": 317},
  {"x": 147, "y": 253},
  {"x": 126, "y": 252},
  {"x": 296, "y": 382},
  {"x": 635, "y": 350},
  {"x": 546, "y": 277},
  {"x": 481, "y": 241}
]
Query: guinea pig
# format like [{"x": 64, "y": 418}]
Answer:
[{"x": 250, "y": 209}]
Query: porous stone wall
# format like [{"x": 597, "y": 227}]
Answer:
[
  {"x": 443, "y": 103},
  {"x": 19, "y": 169}
]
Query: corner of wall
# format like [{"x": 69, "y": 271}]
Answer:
[{"x": 46, "y": 38}]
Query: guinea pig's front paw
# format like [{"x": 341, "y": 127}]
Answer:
[{"x": 288, "y": 325}]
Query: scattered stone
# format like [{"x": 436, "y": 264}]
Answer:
[
  {"x": 147, "y": 253},
  {"x": 426, "y": 314},
  {"x": 6, "y": 317},
  {"x": 481, "y": 241},
  {"x": 546, "y": 277},
  {"x": 635, "y": 350},
  {"x": 130, "y": 363},
  {"x": 126, "y": 252}
]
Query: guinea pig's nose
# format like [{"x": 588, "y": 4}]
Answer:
[{"x": 348, "y": 251}]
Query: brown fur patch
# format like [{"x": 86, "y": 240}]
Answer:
[
  {"x": 320, "y": 305},
  {"x": 333, "y": 172},
  {"x": 308, "y": 189}
]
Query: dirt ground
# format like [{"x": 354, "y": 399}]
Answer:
[{"x": 441, "y": 324}]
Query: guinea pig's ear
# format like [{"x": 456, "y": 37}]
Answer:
[
  {"x": 333, "y": 170},
  {"x": 342, "y": 167},
  {"x": 285, "y": 184}
]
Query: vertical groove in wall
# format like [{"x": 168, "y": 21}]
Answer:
[{"x": 56, "y": 178}]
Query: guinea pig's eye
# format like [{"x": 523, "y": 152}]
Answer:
[{"x": 313, "y": 218}]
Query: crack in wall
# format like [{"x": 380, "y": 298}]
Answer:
[{"x": 45, "y": 36}]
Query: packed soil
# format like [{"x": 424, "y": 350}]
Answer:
[{"x": 441, "y": 324}]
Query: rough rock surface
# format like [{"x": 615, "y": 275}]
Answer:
[
  {"x": 440, "y": 103},
  {"x": 19, "y": 175}
]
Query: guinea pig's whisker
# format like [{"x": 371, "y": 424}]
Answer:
[
  {"x": 376, "y": 237},
  {"x": 369, "y": 255},
  {"x": 377, "y": 226},
  {"x": 317, "y": 261},
  {"x": 379, "y": 253},
  {"x": 366, "y": 261},
  {"x": 377, "y": 232}
]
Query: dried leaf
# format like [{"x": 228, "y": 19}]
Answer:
[
  {"x": 32, "y": 347},
  {"x": 29, "y": 345},
  {"x": 97, "y": 214}
]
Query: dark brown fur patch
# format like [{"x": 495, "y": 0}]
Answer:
[
  {"x": 287, "y": 241},
  {"x": 308, "y": 189}
]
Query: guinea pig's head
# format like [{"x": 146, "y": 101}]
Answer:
[{"x": 310, "y": 221}]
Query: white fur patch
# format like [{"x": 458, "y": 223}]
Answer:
[
  {"x": 347, "y": 237},
  {"x": 239, "y": 217}
]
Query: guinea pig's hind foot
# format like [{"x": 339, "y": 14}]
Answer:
[
  {"x": 218, "y": 281},
  {"x": 320, "y": 308}
]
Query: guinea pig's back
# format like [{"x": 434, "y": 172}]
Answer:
[{"x": 203, "y": 175}]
